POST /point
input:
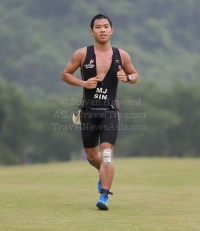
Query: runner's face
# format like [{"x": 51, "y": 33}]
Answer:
[{"x": 102, "y": 30}]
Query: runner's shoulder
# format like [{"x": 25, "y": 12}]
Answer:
[
  {"x": 80, "y": 53},
  {"x": 124, "y": 56}
]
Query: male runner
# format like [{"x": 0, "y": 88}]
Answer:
[{"x": 101, "y": 67}]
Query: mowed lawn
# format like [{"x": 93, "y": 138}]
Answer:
[{"x": 149, "y": 194}]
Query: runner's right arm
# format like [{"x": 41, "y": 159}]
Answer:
[{"x": 72, "y": 66}]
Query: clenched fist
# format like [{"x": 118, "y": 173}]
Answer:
[
  {"x": 92, "y": 82},
  {"x": 121, "y": 75}
]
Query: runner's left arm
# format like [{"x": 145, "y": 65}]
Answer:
[{"x": 128, "y": 69}]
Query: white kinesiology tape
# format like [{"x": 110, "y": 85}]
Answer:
[{"x": 107, "y": 156}]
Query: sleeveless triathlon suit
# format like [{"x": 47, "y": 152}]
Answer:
[{"x": 99, "y": 106}]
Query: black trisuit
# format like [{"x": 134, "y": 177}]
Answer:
[{"x": 99, "y": 115}]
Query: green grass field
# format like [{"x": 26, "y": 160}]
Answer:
[{"x": 149, "y": 194}]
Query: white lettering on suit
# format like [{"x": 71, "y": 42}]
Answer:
[{"x": 100, "y": 93}]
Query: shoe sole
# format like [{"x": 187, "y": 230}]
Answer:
[{"x": 102, "y": 206}]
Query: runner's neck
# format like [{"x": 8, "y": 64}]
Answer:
[{"x": 102, "y": 47}]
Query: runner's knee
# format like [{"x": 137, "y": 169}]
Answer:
[
  {"x": 107, "y": 153},
  {"x": 106, "y": 145},
  {"x": 91, "y": 155}
]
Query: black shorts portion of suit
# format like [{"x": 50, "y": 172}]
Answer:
[{"x": 99, "y": 125}]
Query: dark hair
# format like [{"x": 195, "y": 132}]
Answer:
[{"x": 100, "y": 16}]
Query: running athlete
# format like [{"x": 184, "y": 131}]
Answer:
[{"x": 101, "y": 66}]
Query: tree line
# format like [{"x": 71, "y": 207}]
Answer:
[
  {"x": 159, "y": 116},
  {"x": 153, "y": 122}
]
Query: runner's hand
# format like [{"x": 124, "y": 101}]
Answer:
[
  {"x": 92, "y": 82},
  {"x": 121, "y": 75}
]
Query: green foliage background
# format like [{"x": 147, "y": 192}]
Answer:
[{"x": 37, "y": 40}]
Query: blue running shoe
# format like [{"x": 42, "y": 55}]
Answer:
[
  {"x": 102, "y": 203},
  {"x": 99, "y": 186}
]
